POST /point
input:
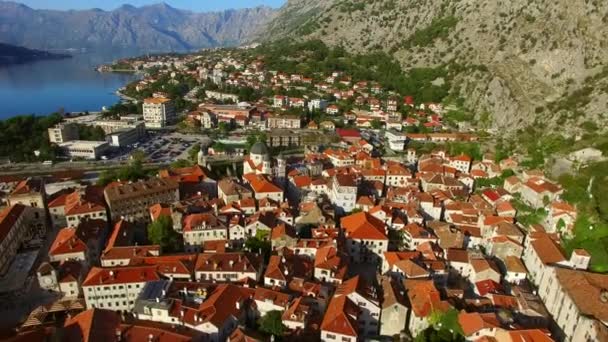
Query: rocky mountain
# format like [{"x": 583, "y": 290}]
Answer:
[
  {"x": 523, "y": 63},
  {"x": 152, "y": 28},
  {"x": 11, "y": 54}
]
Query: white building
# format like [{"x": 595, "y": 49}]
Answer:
[
  {"x": 343, "y": 193},
  {"x": 158, "y": 112},
  {"x": 366, "y": 239},
  {"x": 317, "y": 104},
  {"x": 127, "y": 136},
  {"x": 63, "y": 132},
  {"x": 366, "y": 298},
  {"x": 396, "y": 140},
  {"x": 199, "y": 228},
  {"x": 227, "y": 267},
  {"x": 84, "y": 149},
  {"x": 116, "y": 288}
]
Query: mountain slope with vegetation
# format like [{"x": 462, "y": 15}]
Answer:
[
  {"x": 521, "y": 62},
  {"x": 151, "y": 28}
]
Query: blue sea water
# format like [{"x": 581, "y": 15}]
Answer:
[{"x": 73, "y": 84}]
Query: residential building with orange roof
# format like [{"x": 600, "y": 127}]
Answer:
[
  {"x": 267, "y": 300},
  {"x": 367, "y": 298},
  {"x": 67, "y": 246},
  {"x": 560, "y": 218},
  {"x": 133, "y": 200},
  {"x": 343, "y": 192},
  {"x": 85, "y": 203},
  {"x": 160, "y": 209},
  {"x": 340, "y": 320},
  {"x": 14, "y": 230},
  {"x": 393, "y": 317},
  {"x": 298, "y": 314},
  {"x": 83, "y": 243},
  {"x": 578, "y": 302},
  {"x": 200, "y": 227},
  {"x": 116, "y": 288},
  {"x": 476, "y": 325},
  {"x": 31, "y": 193},
  {"x": 389, "y": 259},
  {"x": 330, "y": 265},
  {"x": 461, "y": 163},
  {"x": 227, "y": 267},
  {"x": 529, "y": 335},
  {"x": 63, "y": 277},
  {"x": 263, "y": 188},
  {"x": 105, "y": 325},
  {"x": 537, "y": 191},
  {"x": 515, "y": 270},
  {"x": 366, "y": 237},
  {"x": 56, "y": 205},
  {"x": 424, "y": 299},
  {"x": 215, "y": 311},
  {"x": 230, "y": 190},
  {"x": 415, "y": 235}
]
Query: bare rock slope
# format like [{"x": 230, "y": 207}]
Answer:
[{"x": 529, "y": 62}]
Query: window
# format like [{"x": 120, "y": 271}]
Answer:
[{"x": 331, "y": 337}]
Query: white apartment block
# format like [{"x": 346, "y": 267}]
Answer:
[
  {"x": 116, "y": 288},
  {"x": 158, "y": 112},
  {"x": 343, "y": 193},
  {"x": 63, "y": 133},
  {"x": 84, "y": 149}
]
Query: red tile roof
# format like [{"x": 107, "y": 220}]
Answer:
[
  {"x": 120, "y": 275},
  {"x": 363, "y": 226},
  {"x": 67, "y": 242},
  {"x": 8, "y": 218},
  {"x": 341, "y": 317}
]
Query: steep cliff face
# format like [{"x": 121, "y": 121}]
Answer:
[
  {"x": 529, "y": 62},
  {"x": 153, "y": 28}
]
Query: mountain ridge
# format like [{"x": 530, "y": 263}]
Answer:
[
  {"x": 528, "y": 62},
  {"x": 157, "y": 27}
]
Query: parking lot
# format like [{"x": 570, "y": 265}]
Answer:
[{"x": 163, "y": 147}]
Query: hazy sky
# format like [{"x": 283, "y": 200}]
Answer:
[{"x": 194, "y": 5}]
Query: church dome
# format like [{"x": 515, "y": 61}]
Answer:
[{"x": 259, "y": 148}]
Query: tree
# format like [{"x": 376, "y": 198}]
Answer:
[
  {"x": 430, "y": 334},
  {"x": 376, "y": 124},
  {"x": 161, "y": 232},
  {"x": 138, "y": 156},
  {"x": 180, "y": 163},
  {"x": 193, "y": 152},
  {"x": 224, "y": 127},
  {"x": 271, "y": 323}
]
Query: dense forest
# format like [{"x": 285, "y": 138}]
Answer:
[{"x": 20, "y": 136}]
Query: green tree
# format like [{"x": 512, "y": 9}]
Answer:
[
  {"x": 180, "y": 163},
  {"x": 161, "y": 232},
  {"x": 138, "y": 156},
  {"x": 193, "y": 152},
  {"x": 224, "y": 127},
  {"x": 271, "y": 323},
  {"x": 376, "y": 124}
]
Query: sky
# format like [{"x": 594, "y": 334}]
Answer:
[{"x": 193, "y": 5}]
